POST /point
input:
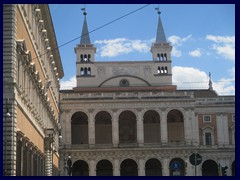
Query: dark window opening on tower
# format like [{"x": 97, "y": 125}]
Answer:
[
  {"x": 89, "y": 71},
  {"x": 81, "y": 57},
  {"x": 158, "y": 57},
  {"x": 82, "y": 72},
  {"x": 85, "y": 71},
  {"x": 165, "y": 57},
  {"x": 166, "y": 71},
  {"x": 89, "y": 57},
  {"x": 85, "y": 57}
]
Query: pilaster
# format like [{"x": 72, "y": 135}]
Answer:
[
  {"x": 116, "y": 168},
  {"x": 91, "y": 130},
  {"x": 140, "y": 131},
  {"x": 115, "y": 130},
  {"x": 163, "y": 124}
]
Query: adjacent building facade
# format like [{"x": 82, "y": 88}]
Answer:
[
  {"x": 128, "y": 119},
  {"x": 31, "y": 71}
]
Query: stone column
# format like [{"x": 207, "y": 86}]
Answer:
[
  {"x": 140, "y": 131},
  {"x": 165, "y": 167},
  {"x": 116, "y": 168},
  {"x": 141, "y": 168},
  {"x": 115, "y": 130},
  {"x": 92, "y": 168},
  {"x": 163, "y": 124}
]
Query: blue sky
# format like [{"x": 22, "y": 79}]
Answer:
[{"x": 202, "y": 36}]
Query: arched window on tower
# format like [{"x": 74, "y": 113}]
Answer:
[
  {"x": 166, "y": 71},
  {"x": 85, "y": 57},
  {"x": 159, "y": 70},
  {"x": 85, "y": 71},
  {"x": 81, "y": 72},
  {"x": 162, "y": 58},
  {"x": 165, "y": 57},
  {"x": 158, "y": 57},
  {"x": 81, "y": 58},
  {"x": 162, "y": 70},
  {"x": 89, "y": 71},
  {"x": 89, "y": 57}
]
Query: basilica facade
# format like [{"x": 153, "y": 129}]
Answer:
[{"x": 128, "y": 119}]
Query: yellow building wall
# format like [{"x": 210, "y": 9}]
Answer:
[
  {"x": 22, "y": 33},
  {"x": 25, "y": 126}
]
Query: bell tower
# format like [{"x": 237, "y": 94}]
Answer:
[
  {"x": 161, "y": 50},
  {"x": 85, "y": 53}
]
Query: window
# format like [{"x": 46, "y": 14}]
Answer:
[
  {"x": 208, "y": 135},
  {"x": 207, "y": 118},
  {"x": 208, "y": 138}
]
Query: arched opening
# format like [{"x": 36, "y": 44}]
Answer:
[
  {"x": 104, "y": 168},
  {"x": 158, "y": 57},
  {"x": 177, "y": 167},
  {"x": 89, "y": 71},
  {"x": 175, "y": 126},
  {"x": 89, "y": 57},
  {"x": 85, "y": 71},
  {"x": 103, "y": 129},
  {"x": 85, "y": 57},
  {"x": 151, "y": 121},
  {"x": 165, "y": 71},
  {"x": 82, "y": 72},
  {"x": 162, "y": 70},
  {"x": 233, "y": 168},
  {"x": 81, "y": 57},
  {"x": 79, "y": 128},
  {"x": 127, "y": 127},
  {"x": 153, "y": 167},
  {"x": 165, "y": 57},
  {"x": 159, "y": 70},
  {"x": 129, "y": 168},
  {"x": 210, "y": 168},
  {"x": 80, "y": 168},
  {"x": 162, "y": 57}
]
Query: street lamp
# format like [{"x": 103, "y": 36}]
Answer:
[{"x": 7, "y": 114}]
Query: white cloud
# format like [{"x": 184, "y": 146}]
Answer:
[
  {"x": 68, "y": 84},
  {"x": 195, "y": 53},
  {"x": 189, "y": 78},
  {"x": 223, "y": 45},
  {"x": 227, "y": 51},
  {"x": 192, "y": 78},
  {"x": 119, "y": 46},
  {"x": 176, "y": 40},
  {"x": 224, "y": 87},
  {"x": 176, "y": 52},
  {"x": 222, "y": 39}
]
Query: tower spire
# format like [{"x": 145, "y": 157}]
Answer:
[
  {"x": 160, "y": 37},
  {"x": 85, "y": 39}
]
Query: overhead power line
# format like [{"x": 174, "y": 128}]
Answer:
[{"x": 100, "y": 27}]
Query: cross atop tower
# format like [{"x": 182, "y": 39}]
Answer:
[{"x": 85, "y": 39}]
